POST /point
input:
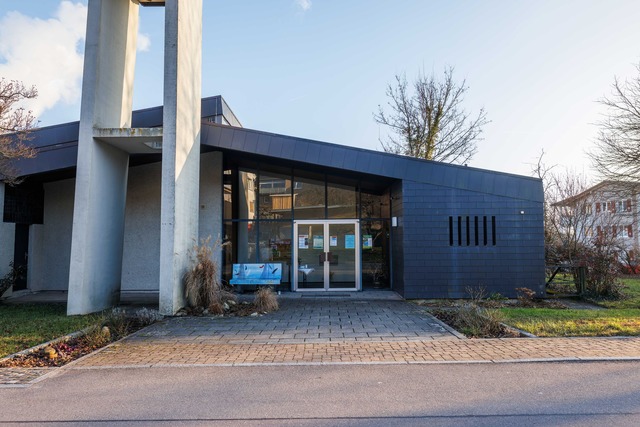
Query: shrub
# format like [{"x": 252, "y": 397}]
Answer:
[
  {"x": 117, "y": 322},
  {"x": 497, "y": 296},
  {"x": 603, "y": 275},
  {"x": 266, "y": 300},
  {"x": 146, "y": 316},
  {"x": 202, "y": 285},
  {"x": 10, "y": 279},
  {"x": 525, "y": 297},
  {"x": 474, "y": 320},
  {"x": 478, "y": 322}
]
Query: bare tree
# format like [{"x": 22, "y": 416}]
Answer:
[
  {"x": 15, "y": 124},
  {"x": 570, "y": 223},
  {"x": 617, "y": 149},
  {"x": 427, "y": 119}
]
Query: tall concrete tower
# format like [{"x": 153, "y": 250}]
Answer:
[{"x": 106, "y": 140}]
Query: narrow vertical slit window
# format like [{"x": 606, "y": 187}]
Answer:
[
  {"x": 493, "y": 229},
  {"x": 450, "y": 231},
  {"x": 475, "y": 229},
  {"x": 468, "y": 233},
  {"x": 459, "y": 231},
  {"x": 484, "y": 229}
]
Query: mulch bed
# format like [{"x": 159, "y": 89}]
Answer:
[
  {"x": 62, "y": 352},
  {"x": 231, "y": 309},
  {"x": 448, "y": 316},
  {"x": 65, "y": 352}
]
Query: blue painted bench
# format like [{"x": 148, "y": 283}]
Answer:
[{"x": 256, "y": 274}]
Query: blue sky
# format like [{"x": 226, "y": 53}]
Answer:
[{"x": 319, "y": 68}]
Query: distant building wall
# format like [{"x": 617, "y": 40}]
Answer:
[{"x": 439, "y": 260}]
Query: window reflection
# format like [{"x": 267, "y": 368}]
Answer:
[
  {"x": 247, "y": 194},
  {"x": 341, "y": 201},
  {"x": 275, "y": 196},
  {"x": 275, "y": 245},
  {"x": 374, "y": 205},
  {"x": 309, "y": 199}
]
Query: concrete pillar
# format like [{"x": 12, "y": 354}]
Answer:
[
  {"x": 180, "y": 147},
  {"x": 210, "y": 215},
  {"x": 101, "y": 179}
]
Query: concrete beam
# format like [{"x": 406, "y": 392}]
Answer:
[
  {"x": 180, "y": 147},
  {"x": 101, "y": 179},
  {"x": 131, "y": 140}
]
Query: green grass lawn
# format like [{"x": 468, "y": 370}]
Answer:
[
  {"x": 621, "y": 318},
  {"x": 549, "y": 322},
  {"x": 23, "y": 326},
  {"x": 632, "y": 291}
]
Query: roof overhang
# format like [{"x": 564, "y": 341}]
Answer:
[{"x": 149, "y": 2}]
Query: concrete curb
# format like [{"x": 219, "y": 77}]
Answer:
[
  {"x": 518, "y": 331},
  {"x": 434, "y": 362},
  {"x": 448, "y": 328}
]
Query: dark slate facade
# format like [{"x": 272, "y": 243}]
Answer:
[
  {"x": 450, "y": 239},
  {"x": 456, "y": 227}
]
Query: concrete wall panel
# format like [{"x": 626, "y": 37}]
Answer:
[
  {"x": 141, "y": 249},
  {"x": 50, "y": 242}
]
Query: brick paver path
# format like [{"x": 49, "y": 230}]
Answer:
[
  {"x": 333, "y": 332},
  {"x": 323, "y": 331},
  {"x": 136, "y": 353}
]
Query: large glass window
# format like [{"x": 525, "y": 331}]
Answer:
[
  {"x": 341, "y": 201},
  {"x": 275, "y": 244},
  {"x": 261, "y": 201},
  {"x": 227, "y": 196},
  {"x": 247, "y": 194},
  {"x": 308, "y": 199},
  {"x": 246, "y": 241},
  {"x": 375, "y": 253},
  {"x": 374, "y": 205},
  {"x": 275, "y": 196},
  {"x": 228, "y": 243}
]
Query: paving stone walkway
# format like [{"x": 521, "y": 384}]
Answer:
[
  {"x": 149, "y": 354},
  {"x": 343, "y": 331},
  {"x": 325, "y": 331},
  {"x": 304, "y": 321},
  {"x": 15, "y": 377}
]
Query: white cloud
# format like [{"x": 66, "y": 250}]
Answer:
[
  {"x": 303, "y": 4},
  {"x": 144, "y": 42},
  {"x": 46, "y": 53}
]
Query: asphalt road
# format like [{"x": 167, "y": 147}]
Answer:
[{"x": 540, "y": 394}]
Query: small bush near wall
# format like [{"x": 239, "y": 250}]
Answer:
[
  {"x": 10, "y": 279},
  {"x": 603, "y": 274}
]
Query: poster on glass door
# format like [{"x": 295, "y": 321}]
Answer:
[
  {"x": 303, "y": 241},
  {"x": 349, "y": 241}
]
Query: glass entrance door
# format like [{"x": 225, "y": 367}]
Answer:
[{"x": 327, "y": 255}]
